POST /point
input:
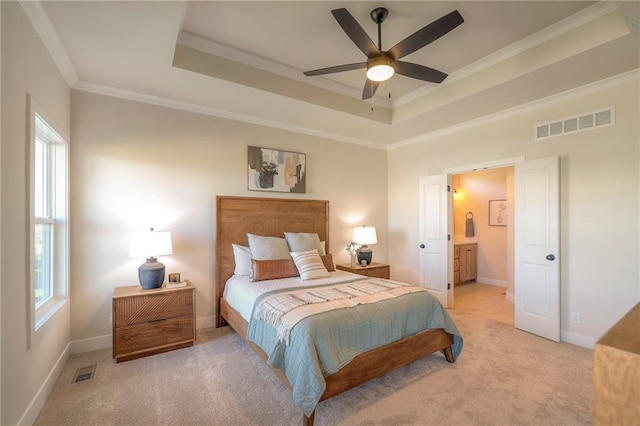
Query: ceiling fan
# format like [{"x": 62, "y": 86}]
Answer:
[{"x": 380, "y": 64}]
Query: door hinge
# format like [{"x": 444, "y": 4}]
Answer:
[
  {"x": 448, "y": 188},
  {"x": 448, "y": 237},
  {"x": 448, "y": 286}
]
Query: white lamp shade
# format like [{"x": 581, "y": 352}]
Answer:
[
  {"x": 150, "y": 244},
  {"x": 365, "y": 235}
]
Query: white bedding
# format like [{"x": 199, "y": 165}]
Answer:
[{"x": 240, "y": 292}]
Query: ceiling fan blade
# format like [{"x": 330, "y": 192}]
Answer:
[
  {"x": 419, "y": 72},
  {"x": 427, "y": 34},
  {"x": 355, "y": 32},
  {"x": 337, "y": 68},
  {"x": 369, "y": 89}
]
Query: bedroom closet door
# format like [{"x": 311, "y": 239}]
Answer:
[
  {"x": 435, "y": 247},
  {"x": 537, "y": 241}
]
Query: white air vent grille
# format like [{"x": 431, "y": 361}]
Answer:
[{"x": 576, "y": 123}]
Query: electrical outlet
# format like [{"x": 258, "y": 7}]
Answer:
[{"x": 575, "y": 317}]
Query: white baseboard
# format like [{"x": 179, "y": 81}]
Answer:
[
  {"x": 510, "y": 297},
  {"x": 491, "y": 281},
  {"x": 31, "y": 414},
  {"x": 205, "y": 322},
  {"x": 91, "y": 344},
  {"x": 578, "y": 339}
]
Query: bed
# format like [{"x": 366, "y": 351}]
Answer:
[{"x": 238, "y": 216}]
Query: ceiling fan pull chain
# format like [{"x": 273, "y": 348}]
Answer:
[{"x": 372, "y": 92}]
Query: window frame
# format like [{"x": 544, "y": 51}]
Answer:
[{"x": 56, "y": 215}]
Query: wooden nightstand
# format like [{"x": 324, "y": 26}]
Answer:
[
  {"x": 148, "y": 322},
  {"x": 374, "y": 270}
]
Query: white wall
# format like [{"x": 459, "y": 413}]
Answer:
[
  {"x": 136, "y": 165},
  {"x": 26, "y": 68},
  {"x": 599, "y": 197}
]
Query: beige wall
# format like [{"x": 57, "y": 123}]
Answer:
[
  {"x": 599, "y": 199},
  {"x": 137, "y": 165},
  {"x": 24, "y": 370}
]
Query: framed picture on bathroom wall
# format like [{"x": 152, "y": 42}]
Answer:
[
  {"x": 498, "y": 212},
  {"x": 276, "y": 170}
]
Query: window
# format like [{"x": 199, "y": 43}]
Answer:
[{"x": 49, "y": 225}]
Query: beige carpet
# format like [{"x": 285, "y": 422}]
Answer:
[{"x": 503, "y": 377}]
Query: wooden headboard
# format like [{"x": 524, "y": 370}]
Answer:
[{"x": 271, "y": 217}]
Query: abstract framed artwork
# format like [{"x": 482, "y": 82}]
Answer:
[
  {"x": 277, "y": 171},
  {"x": 497, "y": 212}
]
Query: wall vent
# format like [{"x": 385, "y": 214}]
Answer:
[{"x": 577, "y": 123}]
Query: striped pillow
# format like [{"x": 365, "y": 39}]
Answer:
[{"x": 309, "y": 264}]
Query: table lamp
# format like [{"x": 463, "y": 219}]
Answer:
[
  {"x": 365, "y": 235},
  {"x": 150, "y": 244}
]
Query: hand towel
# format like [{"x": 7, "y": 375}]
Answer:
[{"x": 469, "y": 231}]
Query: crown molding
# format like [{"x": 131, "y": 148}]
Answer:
[
  {"x": 521, "y": 109},
  {"x": 216, "y": 112},
  {"x": 555, "y": 30},
  {"x": 41, "y": 23},
  {"x": 524, "y": 108},
  {"x": 211, "y": 47}
]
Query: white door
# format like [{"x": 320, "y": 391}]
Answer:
[
  {"x": 537, "y": 263},
  {"x": 434, "y": 244}
]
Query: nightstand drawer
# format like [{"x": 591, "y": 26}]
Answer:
[
  {"x": 382, "y": 272},
  {"x": 150, "y": 335},
  {"x": 148, "y": 322},
  {"x": 142, "y": 309},
  {"x": 374, "y": 270}
]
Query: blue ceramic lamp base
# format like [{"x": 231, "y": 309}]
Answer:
[
  {"x": 151, "y": 274},
  {"x": 366, "y": 254}
]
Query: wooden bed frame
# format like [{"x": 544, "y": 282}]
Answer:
[{"x": 235, "y": 216}]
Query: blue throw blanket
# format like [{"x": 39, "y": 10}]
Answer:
[{"x": 322, "y": 344}]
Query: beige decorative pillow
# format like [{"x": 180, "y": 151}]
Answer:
[
  {"x": 273, "y": 269},
  {"x": 304, "y": 241},
  {"x": 309, "y": 264},
  {"x": 268, "y": 248}
]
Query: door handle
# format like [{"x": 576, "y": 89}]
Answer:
[
  {"x": 550, "y": 257},
  {"x": 421, "y": 245}
]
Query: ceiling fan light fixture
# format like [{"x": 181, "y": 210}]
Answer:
[{"x": 380, "y": 69}]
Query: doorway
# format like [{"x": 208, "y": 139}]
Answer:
[
  {"x": 483, "y": 243},
  {"x": 536, "y": 240}
]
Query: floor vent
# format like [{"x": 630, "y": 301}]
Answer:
[
  {"x": 578, "y": 123},
  {"x": 84, "y": 373}
]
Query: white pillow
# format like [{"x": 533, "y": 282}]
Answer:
[
  {"x": 242, "y": 257},
  {"x": 304, "y": 241},
  {"x": 309, "y": 264},
  {"x": 268, "y": 248}
]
